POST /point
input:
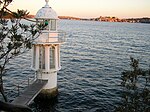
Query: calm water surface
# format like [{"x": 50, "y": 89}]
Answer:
[{"x": 92, "y": 60}]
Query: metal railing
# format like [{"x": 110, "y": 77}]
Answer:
[
  {"x": 62, "y": 36},
  {"x": 51, "y": 37},
  {"x": 18, "y": 88}
]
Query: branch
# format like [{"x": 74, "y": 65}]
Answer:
[
  {"x": 29, "y": 20},
  {"x": 14, "y": 108}
]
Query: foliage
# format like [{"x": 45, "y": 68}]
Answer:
[
  {"x": 136, "y": 84},
  {"x": 15, "y": 37}
]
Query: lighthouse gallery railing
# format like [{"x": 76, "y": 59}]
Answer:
[{"x": 57, "y": 36}]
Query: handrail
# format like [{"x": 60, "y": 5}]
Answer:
[
  {"x": 52, "y": 37},
  {"x": 17, "y": 89}
]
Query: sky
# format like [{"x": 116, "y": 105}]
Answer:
[{"x": 88, "y": 8}]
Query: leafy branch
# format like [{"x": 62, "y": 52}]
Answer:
[
  {"x": 136, "y": 93},
  {"x": 15, "y": 37}
]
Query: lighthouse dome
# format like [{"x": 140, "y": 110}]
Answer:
[{"x": 46, "y": 12}]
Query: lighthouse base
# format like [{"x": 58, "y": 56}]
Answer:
[{"x": 47, "y": 94}]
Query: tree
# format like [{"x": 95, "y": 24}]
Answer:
[
  {"x": 15, "y": 37},
  {"x": 136, "y": 93}
]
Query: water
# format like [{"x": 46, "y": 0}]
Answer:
[{"x": 92, "y": 60}]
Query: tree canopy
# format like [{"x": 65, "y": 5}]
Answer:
[{"x": 15, "y": 37}]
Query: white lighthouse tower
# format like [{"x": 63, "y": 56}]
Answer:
[{"x": 46, "y": 50}]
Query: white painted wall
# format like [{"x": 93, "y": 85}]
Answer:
[{"x": 51, "y": 77}]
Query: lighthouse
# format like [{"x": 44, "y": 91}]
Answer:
[{"x": 46, "y": 50}]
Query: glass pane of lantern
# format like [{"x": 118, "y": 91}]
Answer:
[
  {"x": 52, "y": 57},
  {"x": 53, "y": 25},
  {"x": 42, "y": 57},
  {"x": 40, "y": 24},
  {"x": 46, "y": 24}
]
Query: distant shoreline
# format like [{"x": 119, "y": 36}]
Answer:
[
  {"x": 101, "y": 18},
  {"x": 110, "y": 19}
]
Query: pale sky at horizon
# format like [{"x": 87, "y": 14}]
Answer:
[{"x": 88, "y": 8}]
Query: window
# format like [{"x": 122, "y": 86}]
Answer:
[
  {"x": 34, "y": 56},
  {"x": 52, "y": 57},
  {"x": 46, "y": 24},
  {"x": 41, "y": 57},
  {"x": 42, "y": 24},
  {"x": 53, "y": 25},
  {"x": 58, "y": 56}
]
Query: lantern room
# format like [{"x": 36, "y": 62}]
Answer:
[{"x": 47, "y": 16}]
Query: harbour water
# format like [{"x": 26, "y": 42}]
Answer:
[{"x": 92, "y": 60}]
